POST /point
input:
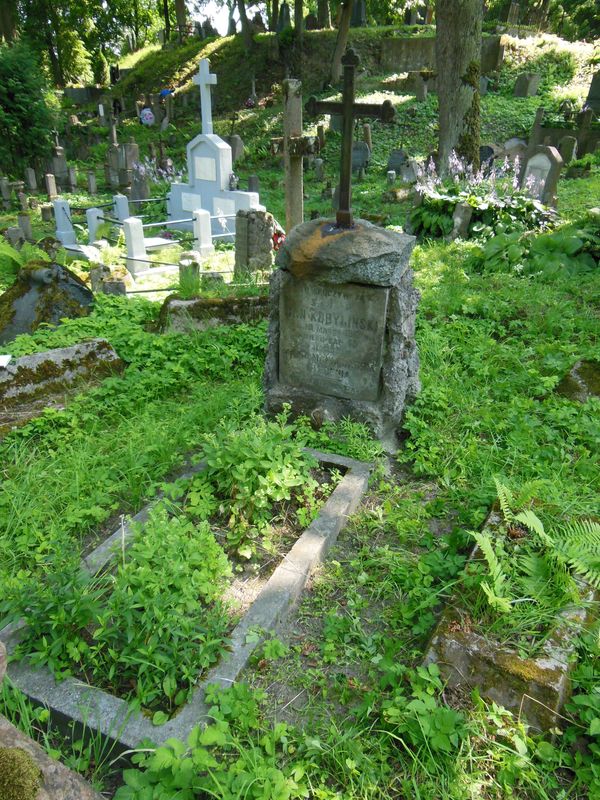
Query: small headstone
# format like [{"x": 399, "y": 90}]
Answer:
[
  {"x": 24, "y": 221},
  {"x": 486, "y": 156},
  {"x": 567, "y": 147},
  {"x": 115, "y": 286},
  {"x": 60, "y": 168},
  {"x": 22, "y": 198},
  {"x": 361, "y": 155},
  {"x": 396, "y": 160},
  {"x": 335, "y": 123},
  {"x": 50, "y": 186},
  {"x": 92, "y": 185},
  {"x": 391, "y": 176},
  {"x": 461, "y": 220},
  {"x": 139, "y": 185},
  {"x": 237, "y": 146},
  {"x": 47, "y": 212},
  {"x": 6, "y": 192},
  {"x": 527, "y": 84},
  {"x": 42, "y": 294},
  {"x": 359, "y": 14},
  {"x": 540, "y": 174},
  {"x": 254, "y": 184},
  {"x": 420, "y": 87},
  {"x": 15, "y": 237},
  {"x": 515, "y": 148},
  {"x": 593, "y": 98},
  {"x": 73, "y": 179},
  {"x": 254, "y": 231},
  {"x": 319, "y": 165},
  {"x": 30, "y": 179},
  {"x": 483, "y": 85},
  {"x": 284, "y": 20}
]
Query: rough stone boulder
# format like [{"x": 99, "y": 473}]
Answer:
[{"x": 43, "y": 292}]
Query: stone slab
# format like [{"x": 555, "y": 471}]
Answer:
[
  {"x": 202, "y": 313},
  {"x": 114, "y": 719},
  {"x": 332, "y": 337}
]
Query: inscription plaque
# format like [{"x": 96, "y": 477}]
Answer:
[{"x": 331, "y": 337}]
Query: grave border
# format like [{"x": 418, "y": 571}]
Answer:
[{"x": 113, "y": 718}]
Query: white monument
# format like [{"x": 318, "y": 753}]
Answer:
[{"x": 209, "y": 173}]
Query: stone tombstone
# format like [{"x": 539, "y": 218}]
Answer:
[
  {"x": 527, "y": 84},
  {"x": 335, "y": 123},
  {"x": 254, "y": 231},
  {"x": 540, "y": 173},
  {"x": 92, "y": 185},
  {"x": 361, "y": 155},
  {"x": 139, "y": 185},
  {"x": 15, "y": 237},
  {"x": 396, "y": 160},
  {"x": 50, "y": 186},
  {"x": 567, "y": 147},
  {"x": 341, "y": 329},
  {"x": 60, "y": 168},
  {"x": 47, "y": 212},
  {"x": 24, "y": 220},
  {"x": 30, "y": 179},
  {"x": 391, "y": 176},
  {"x": 319, "y": 166},
  {"x": 284, "y": 20},
  {"x": 72, "y": 172},
  {"x": 593, "y": 98},
  {"x": 359, "y": 14},
  {"x": 237, "y": 146},
  {"x": 6, "y": 192},
  {"x": 253, "y": 183},
  {"x": 311, "y": 22},
  {"x": 461, "y": 219},
  {"x": 484, "y": 82},
  {"x": 46, "y": 293}
]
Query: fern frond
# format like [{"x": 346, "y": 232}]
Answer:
[
  {"x": 506, "y": 500},
  {"x": 578, "y": 543},
  {"x": 495, "y": 592},
  {"x": 534, "y": 524}
]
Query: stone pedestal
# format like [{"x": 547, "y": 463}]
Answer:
[{"x": 341, "y": 329}]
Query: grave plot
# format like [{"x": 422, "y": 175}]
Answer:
[
  {"x": 180, "y": 598},
  {"x": 526, "y": 595}
]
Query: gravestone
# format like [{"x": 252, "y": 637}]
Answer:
[
  {"x": 210, "y": 166},
  {"x": 139, "y": 185},
  {"x": 253, "y": 183},
  {"x": 359, "y": 14},
  {"x": 43, "y": 293},
  {"x": 92, "y": 186},
  {"x": 60, "y": 168},
  {"x": 484, "y": 82},
  {"x": 24, "y": 220},
  {"x": 284, "y": 20},
  {"x": 567, "y": 148},
  {"x": 311, "y": 23},
  {"x": 237, "y": 146},
  {"x": 319, "y": 165},
  {"x": 540, "y": 173},
  {"x": 6, "y": 193},
  {"x": 527, "y": 84},
  {"x": 15, "y": 236},
  {"x": 361, "y": 156},
  {"x": 461, "y": 219},
  {"x": 254, "y": 231},
  {"x": 335, "y": 123},
  {"x": 341, "y": 331},
  {"x": 50, "y": 186},
  {"x": 515, "y": 148},
  {"x": 396, "y": 160},
  {"x": 593, "y": 98},
  {"x": 391, "y": 176},
  {"x": 30, "y": 179}
]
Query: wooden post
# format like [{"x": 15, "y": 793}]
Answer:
[{"x": 292, "y": 127}]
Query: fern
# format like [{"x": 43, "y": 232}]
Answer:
[
  {"x": 534, "y": 524},
  {"x": 578, "y": 544},
  {"x": 506, "y": 500},
  {"x": 495, "y": 592}
]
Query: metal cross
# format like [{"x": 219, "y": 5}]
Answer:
[
  {"x": 205, "y": 79},
  {"x": 349, "y": 111}
]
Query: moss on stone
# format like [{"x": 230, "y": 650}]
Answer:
[{"x": 20, "y": 776}]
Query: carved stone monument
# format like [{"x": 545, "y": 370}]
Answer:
[{"x": 341, "y": 331}]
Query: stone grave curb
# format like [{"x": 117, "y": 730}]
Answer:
[
  {"x": 535, "y": 687},
  {"x": 113, "y": 718}
]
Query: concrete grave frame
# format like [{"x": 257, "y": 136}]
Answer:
[{"x": 113, "y": 718}]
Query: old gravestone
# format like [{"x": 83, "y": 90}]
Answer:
[
  {"x": 540, "y": 173},
  {"x": 361, "y": 155},
  {"x": 341, "y": 332},
  {"x": 254, "y": 232},
  {"x": 527, "y": 84},
  {"x": 396, "y": 160},
  {"x": 43, "y": 292},
  {"x": 593, "y": 98}
]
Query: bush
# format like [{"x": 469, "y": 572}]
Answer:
[{"x": 26, "y": 109}]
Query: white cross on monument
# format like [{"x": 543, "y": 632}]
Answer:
[{"x": 204, "y": 78}]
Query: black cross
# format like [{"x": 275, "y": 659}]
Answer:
[{"x": 349, "y": 111}]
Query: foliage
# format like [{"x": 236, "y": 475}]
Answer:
[
  {"x": 26, "y": 109},
  {"x": 569, "y": 250}
]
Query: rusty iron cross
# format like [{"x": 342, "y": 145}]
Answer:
[{"x": 349, "y": 111}]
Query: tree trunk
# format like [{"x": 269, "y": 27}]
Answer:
[
  {"x": 167, "y": 20},
  {"x": 299, "y": 21},
  {"x": 246, "y": 27},
  {"x": 8, "y": 20},
  {"x": 342, "y": 40},
  {"x": 323, "y": 14},
  {"x": 458, "y": 68},
  {"x": 181, "y": 17},
  {"x": 274, "y": 15}
]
